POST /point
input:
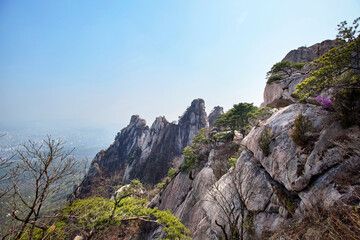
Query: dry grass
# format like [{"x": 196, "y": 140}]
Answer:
[{"x": 337, "y": 223}]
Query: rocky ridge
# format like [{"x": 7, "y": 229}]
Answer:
[
  {"x": 262, "y": 194},
  {"x": 143, "y": 152}
]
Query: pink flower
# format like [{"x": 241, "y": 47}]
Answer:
[{"x": 325, "y": 102}]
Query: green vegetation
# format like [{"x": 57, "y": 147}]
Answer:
[
  {"x": 274, "y": 78},
  {"x": 302, "y": 125},
  {"x": 172, "y": 173},
  {"x": 237, "y": 117},
  {"x": 347, "y": 106},
  {"x": 224, "y": 136},
  {"x": 201, "y": 137},
  {"x": 191, "y": 153},
  {"x": 161, "y": 185},
  {"x": 191, "y": 158},
  {"x": 285, "y": 67},
  {"x": 232, "y": 161},
  {"x": 94, "y": 215},
  {"x": 337, "y": 69},
  {"x": 265, "y": 140},
  {"x": 259, "y": 115}
]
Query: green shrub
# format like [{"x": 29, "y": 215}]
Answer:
[
  {"x": 285, "y": 67},
  {"x": 274, "y": 78},
  {"x": 136, "y": 184},
  {"x": 265, "y": 140},
  {"x": 191, "y": 158},
  {"x": 172, "y": 173},
  {"x": 259, "y": 115},
  {"x": 302, "y": 125},
  {"x": 160, "y": 185},
  {"x": 347, "y": 106},
  {"x": 95, "y": 214},
  {"x": 236, "y": 118},
  {"x": 232, "y": 161},
  {"x": 224, "y": 137},
  {"x": 201, "y": 137}
]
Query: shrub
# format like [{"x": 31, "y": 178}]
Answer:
[
  {"x": 265, "y": 140},
  {"x": 285, "y": 67},
  {"x": 260, "y": 115},
  {"x": 302, "y": 125},
  {"x": 224, "y": 137},
  {"x": 160, "y": 186},
  {"x": 171, "y": 173},
  {"x": 93, "y": 215},
  {"x": 347, "y": 105},
  {"x": 191, "y": 158},
  {"x": 232, "y": 161},
  {"x": 274, "y": 78},
  {"x": 201, "y": 137}
]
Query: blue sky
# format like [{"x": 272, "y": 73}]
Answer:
[{"x": 99, "y": 62}]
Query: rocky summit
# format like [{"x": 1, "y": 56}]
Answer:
[{"x": 143, "y": 152}]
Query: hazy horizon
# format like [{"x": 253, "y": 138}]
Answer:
[{"x": 96, "y": 63}]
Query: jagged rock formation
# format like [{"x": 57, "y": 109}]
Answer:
[
  {"x": 262, "y": 193},
  {"x": 142, "y": 152},
  {"x": 280, "y": 93},
  {"x": 215, "y": 113},
  {"x": 308, "y": 54}
]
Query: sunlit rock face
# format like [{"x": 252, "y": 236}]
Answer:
[
  {"x": 142, "y": 152},
  {"x": 215, "y": 113},
  {"x": 261, "y": 194},
  {"x": 267, "y": 192},
  {"x": 281, "y": 93}
]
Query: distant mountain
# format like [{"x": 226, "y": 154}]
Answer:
[{"x": 144, "y": 152}]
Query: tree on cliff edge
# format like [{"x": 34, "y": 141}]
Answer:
[
  {"x": 237, "y": 117},
  {"x": 339, "y": 68}
]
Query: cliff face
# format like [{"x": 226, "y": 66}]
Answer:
[
  {"x": 142, "y": 152},
  {"x": 215, "y": 113},
  {"x": 281, "y": 93},
  {"x": 262, "y": 193}
]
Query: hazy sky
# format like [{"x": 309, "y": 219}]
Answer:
[{"x": 99, "y": 62}]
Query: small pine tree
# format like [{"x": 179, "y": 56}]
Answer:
[{"x": 302, "y": 125}]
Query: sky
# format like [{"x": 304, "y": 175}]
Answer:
[{"x": 99, "y": 62}]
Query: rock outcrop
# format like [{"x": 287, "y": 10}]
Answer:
[
  {"x": 215, "y": 113},
  {"x": 261, "y": 194},
  {"x": 142, "y": 152},
  {"x": 309, "y": 54},
  {"x": 281, "y": 93}
]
